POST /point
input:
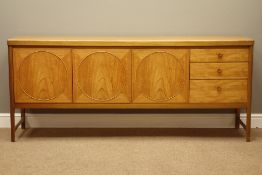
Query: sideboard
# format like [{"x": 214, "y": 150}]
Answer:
[{"x": 131, "y": 73}]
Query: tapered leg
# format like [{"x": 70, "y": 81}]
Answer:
[
  {"x": 237, "y": 118},
  {"x": 23, "y": 118},
  {"x": 12, "y": 121},
  {"x": 248, "y": 124}
]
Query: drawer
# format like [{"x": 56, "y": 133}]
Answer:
[
  {"x": 218, "y": 91},
  {"x": 218, "y": 70},
  {"x": 219, "y": 55}
]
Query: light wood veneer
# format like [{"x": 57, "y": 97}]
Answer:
[
  {"x": 219, "y": 55},
  {"x": 238, "y": 70},
  {"x": 218, "y": 91},
  {"x": 138, "y": 72},
  {"x": 42, "y": 75},
  {"x": 102, "y": 75},
  {"x": 160, "y": 75}
]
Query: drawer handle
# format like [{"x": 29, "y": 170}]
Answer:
[
  {"x": 220, "y": 55},
  {"x": 219, "y": 89},
  {"x": 219, "y": 71}
]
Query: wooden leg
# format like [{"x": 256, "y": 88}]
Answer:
[
  {"x": 248, "y": 124},
  {"x": 12, "y": 121},
  {"x": 23, "y": 118},
  {"x": 237, "y": 118}
]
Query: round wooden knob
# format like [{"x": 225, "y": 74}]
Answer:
[
  {"x": 219, "y": 89},
  {"x": 219, "y": 71},
  {"x": 220, "y": 55}
]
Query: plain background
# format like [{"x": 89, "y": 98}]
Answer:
[{"x": 131, "y": 18}]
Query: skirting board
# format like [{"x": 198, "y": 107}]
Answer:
[{"x": 129, "y": 120}]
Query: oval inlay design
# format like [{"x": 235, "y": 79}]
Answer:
[
  {"x": 100, "y": 76},
  {"x": 160, "y": 76},
  {"x": 42, "y": 76}
]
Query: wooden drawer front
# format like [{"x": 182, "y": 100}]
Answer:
[
  {"x": 102, "y": 75},
  {"x": 218, "y": 70},
  {"x": 160, "y": 75},
  {"x": 42, "y": 75},
  {"x": 219, "y": 55},
  {"x": 218, "y": 91}
]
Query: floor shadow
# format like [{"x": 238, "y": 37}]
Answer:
[{"x": 130, "y": 132}]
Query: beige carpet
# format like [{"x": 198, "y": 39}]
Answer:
[{"x": 131, "y": 152}]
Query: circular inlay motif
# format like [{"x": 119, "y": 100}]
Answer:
[
  {"x": 100, "y": 76},
  {"x": 42, "y": 76},
  {"x": 160, "y": 76}
]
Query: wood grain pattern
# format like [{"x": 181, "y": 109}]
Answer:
[
  {"x": 132, "y": 41},
  {"x": 160, "y": 76},
  {"x": 219, "y": 55},
  {"x": 42, "y": 75},
  {"x": 219, "y": 70},
  {"x": 218, "y": 91},
  {"x": 133, "y": 105},
  {"x": 102, "y": 75}
]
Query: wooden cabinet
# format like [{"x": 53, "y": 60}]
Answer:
[{"x": 131, "y": 73}]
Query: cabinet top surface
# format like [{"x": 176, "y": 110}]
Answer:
[{"x": 131, "y": 41}]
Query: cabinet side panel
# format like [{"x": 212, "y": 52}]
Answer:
[{"x": 11, "y": 76}]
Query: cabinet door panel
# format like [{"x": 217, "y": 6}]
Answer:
[
  {"x": 102, "y": 75},
  {"x": 160, "y": 75},
  {"x": 42, "y": 75}
]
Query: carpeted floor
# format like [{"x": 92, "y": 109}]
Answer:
[{"x": 131, "y": 152}]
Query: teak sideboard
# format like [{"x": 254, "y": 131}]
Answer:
[{"x": 134, "y": 72}]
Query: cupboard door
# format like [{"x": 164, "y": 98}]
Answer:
[
  {"x": 160, "y": 75},
  {"x": 102, "y": 75},
  {"x": 42, "y": 75}
]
